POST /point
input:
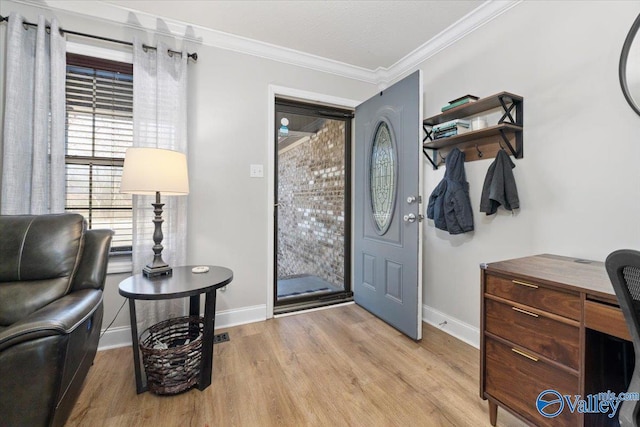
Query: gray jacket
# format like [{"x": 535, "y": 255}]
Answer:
[
  {"x": 449, "y": 204},
  {"x": 499, "y": 187}
]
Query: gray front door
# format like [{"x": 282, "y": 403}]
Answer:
[{"x": 387, "y": 230}]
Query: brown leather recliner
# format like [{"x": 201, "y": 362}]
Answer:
[{"x": 52, "y": 273}]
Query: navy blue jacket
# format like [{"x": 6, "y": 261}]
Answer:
[{"x": 449, "y": 204}]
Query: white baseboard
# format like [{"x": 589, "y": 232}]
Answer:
[
  {"x": 454, "y": 327},
  {"x": 241, "y": 316},
  {"x": 115, "y": 337},
  {"x": 121, "y": 336}
]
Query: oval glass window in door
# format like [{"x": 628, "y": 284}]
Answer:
[{"x": 382, "y": 174}]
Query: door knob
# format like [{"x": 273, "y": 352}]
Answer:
[
  {"x": 410, "y": 218},
  {"x": 413, "y": 199}
]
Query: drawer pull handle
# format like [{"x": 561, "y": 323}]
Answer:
[
  {"x": 528, "y": 285},
  {"x": 528, "y": 313},
  {"x": 522, "y": 353}
]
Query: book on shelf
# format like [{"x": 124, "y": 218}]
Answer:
[
  {"x": 456, "y": 123},
  {"x": 446, "y": 131},
  {"x": 449, "y": 132},
  {"x": 465, "y": 97},
  {"x": 445, "y": 134},
  {"x": 459, "y": 101}
]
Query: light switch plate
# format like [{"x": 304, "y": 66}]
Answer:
[{"x": 256, "y": 171}]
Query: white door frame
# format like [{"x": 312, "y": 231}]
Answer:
[{"x": 298, "y": 95}]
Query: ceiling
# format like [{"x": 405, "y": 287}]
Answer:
[{"x": 366, "y": 34}]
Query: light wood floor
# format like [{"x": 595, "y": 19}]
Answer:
[{"x": 335, "y": 367}]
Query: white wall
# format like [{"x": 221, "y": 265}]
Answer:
[{"x": 579, "y": 180}]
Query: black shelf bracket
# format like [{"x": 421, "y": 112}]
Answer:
[
  {"x": 506, "y": 141},
  {"x": 507, "y": 110},
  {"x": 434, "y": 164},
  {"x": 428, "y": 133},
  {"x": 428, "y": 137}
]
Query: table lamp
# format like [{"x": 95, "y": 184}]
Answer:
[{"x": 149, "y": 171}]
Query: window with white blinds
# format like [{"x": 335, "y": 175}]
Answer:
[{"x": 99, "y": 129}]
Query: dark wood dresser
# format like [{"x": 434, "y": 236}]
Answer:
[{"x": 535, "y": 317}]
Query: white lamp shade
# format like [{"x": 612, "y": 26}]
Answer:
[{"x": 148, "y": 170}]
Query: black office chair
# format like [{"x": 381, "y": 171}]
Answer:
[{"x": 623, "y": 267}]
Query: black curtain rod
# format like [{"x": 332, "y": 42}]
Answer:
[{"x": 193, "y": 55}]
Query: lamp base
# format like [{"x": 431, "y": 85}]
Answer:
[{"x": 157, "y": 271}]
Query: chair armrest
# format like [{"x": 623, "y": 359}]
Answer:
[
  {"x": 60, "y": 317},
  {"x": 92, "y": 269}
]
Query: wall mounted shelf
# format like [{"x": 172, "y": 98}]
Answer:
[{"x": 481, "y": 143}]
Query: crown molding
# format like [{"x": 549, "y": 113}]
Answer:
[
  {"x": 475, "y": 19},
  {"x": 198, "y": 35},
  {"x": 381, "y": 76}
]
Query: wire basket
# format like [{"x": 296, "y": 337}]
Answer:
[{"x": 172, "y": 353}]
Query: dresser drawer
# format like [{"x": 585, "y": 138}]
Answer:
[
  {"x": 556, "y": 340},
  {"x": 516, "y": 381},
  {"x": 557, "y": 302}
]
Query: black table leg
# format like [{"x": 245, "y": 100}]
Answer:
[
  {"x": 194, "y": 305},
  {"x": 207, "y": 336},
  {"x": 141, "y": 385},
  {"x": 194, "y": 310}
]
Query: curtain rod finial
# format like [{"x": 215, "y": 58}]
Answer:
[{"x": 193, "y": 56}]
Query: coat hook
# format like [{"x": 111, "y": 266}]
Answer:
[{"x": 480, "y": 154}]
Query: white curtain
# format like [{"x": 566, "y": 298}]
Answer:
[
  {"x": 160, "y": 121},
  {"x": 33, "y": 170}
]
